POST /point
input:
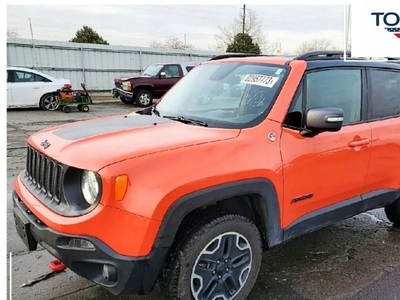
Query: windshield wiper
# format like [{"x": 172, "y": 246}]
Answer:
[{"x": 187, "y": 120}]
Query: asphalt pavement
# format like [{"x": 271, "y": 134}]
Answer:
[{"x": 357, "y": 259}]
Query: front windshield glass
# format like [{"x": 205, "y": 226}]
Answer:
[
  {"x": 227, "y": 94},
  {"x": 152, "y": 70}
]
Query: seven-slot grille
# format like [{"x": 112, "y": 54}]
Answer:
[{"x": 44, "y": 173}]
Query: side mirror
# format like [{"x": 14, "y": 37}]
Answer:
[
  {"x": 322, "y": 119},
  {"x": 163, "y": 74}
]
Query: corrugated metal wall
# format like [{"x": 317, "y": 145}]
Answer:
[{"x": 95, "y": 65}]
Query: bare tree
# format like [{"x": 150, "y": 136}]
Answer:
[
  {"x": 315, "y": 45},
  {"x": 253, "y": 28},
  {"x": 172, "y": 43},
  {"x": 273, "y": 48},
  {"x": 12, "y": 33}
]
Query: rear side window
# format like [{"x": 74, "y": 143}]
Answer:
[
  {"x": 189, "y": 68},
  {"x": 385, "y": 93}
]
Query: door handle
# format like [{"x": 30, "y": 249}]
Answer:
[
  {"x": 36, "y": 88},
  {"x": 359, "y": 143}
]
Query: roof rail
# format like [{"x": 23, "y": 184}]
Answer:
[
  {"x": 318, "y": 55},
  {"x": 222, "y": 56}
]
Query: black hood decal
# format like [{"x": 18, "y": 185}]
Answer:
[{"x": 93, "y": 128}]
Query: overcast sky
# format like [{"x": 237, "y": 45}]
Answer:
[{"x": 139, "y": 25}]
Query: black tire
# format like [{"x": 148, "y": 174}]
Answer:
[
  {"x": 128, "y": 102},
  {"x": 85, "y": 108},
  {"x": 48, "y": 102},
  {"x": 393, "y": 212},
  {"x": 179, "y": 278},
  {"x": 66, "y": 109},
  {"x": 143, "y": 98}
]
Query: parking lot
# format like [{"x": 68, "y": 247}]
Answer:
[{"x": 355, "y": 259}]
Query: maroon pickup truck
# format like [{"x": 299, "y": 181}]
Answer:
[{"x": 153, "y": 83}]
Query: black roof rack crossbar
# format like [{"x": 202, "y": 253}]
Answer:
[{"x": 318, "y": 55}]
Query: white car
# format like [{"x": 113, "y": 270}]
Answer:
[{"x": 31, "y": 88}]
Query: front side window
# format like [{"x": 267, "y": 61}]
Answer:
[
  {"x": 385, "y": 93},
  {"x": 329, "y": 88},
  {"x": 152, "y": 70},
  {"x": 171, "y": 71},
  {"x": 225, "y": 94}
]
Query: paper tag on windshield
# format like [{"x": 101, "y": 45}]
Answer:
[{"x": 262, "y": 80}]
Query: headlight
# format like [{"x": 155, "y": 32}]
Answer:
[{"x": 90, "y": 186}]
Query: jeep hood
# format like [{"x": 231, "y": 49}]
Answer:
[{"x": 94, "y": 144}]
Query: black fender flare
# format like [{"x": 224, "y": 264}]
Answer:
[{"x": 269, "y": 208}]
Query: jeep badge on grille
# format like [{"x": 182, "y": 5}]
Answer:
[{"x": 45, "y": 144}]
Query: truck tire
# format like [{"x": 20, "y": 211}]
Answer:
[
  {"x": 393, "y": 212},
  {"x": 224, "y": 252},
  {"x": 143, "y": 98}
]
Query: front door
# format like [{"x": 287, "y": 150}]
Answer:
[
  {"x": 172, "y": 76},
  {"x": 323, "y": 171}
]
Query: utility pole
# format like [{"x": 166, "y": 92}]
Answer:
[
  {"x": 244, "y": 17},
  {"x": 33, "y": 43}
]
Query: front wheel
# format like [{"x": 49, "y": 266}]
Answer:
[
  {"x": 219, "y": 259},
  {"x": 143, "y": 98}
]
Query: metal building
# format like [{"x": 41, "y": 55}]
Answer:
[{"x": 94, "y": 65}]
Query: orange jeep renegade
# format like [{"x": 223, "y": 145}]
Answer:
[{"x": 242, "y": 154}]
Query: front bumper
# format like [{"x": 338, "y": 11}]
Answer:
[
  {"x": 127, "y": 275},
  {"x": 126, "y": 95}
]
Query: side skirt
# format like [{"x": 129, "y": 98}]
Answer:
[{"x": 339, "y": 212}]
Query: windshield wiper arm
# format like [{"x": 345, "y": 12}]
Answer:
[{"x": 187, "y": 120}]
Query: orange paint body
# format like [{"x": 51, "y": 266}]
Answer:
[{"x": 169, "y": 161}]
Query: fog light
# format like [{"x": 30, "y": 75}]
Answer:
[
  {"x": 109, "y": 273},
  {"x": 81, "y": 244}
]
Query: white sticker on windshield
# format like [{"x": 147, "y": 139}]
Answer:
[{"x": 262, "y": 80}]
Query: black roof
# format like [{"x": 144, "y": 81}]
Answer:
[{"x": 319, "y": 59}]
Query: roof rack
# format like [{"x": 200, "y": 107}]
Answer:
[{"x": 319, "y": 55}]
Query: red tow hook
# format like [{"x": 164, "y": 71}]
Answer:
[{"x": 57, "y": 266}]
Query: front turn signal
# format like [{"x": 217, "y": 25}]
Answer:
[{"x": 121, "y": 185}]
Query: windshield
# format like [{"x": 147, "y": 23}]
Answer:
[
  {"x": 225, "y": 94},
  {"x": 152, "y": 70}
]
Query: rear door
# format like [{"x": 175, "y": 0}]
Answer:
[
  {"x": 26, "y": 89},
  {"x": 384, "y": 115}
]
